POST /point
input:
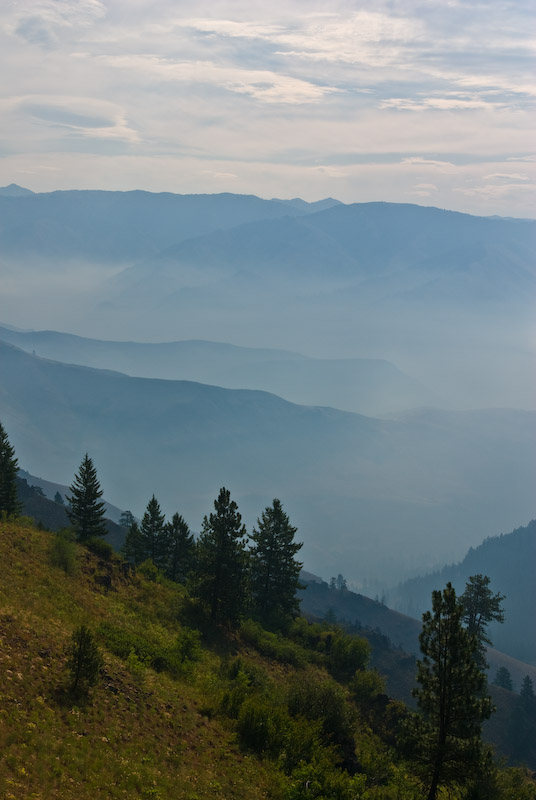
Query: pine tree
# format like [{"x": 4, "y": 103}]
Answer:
[
  {"x": 133, "y": 548},
  {"x": 480, "y": 607},
  {"x": 445, "y": 739},
  {"x": 9, "y": 501},
  {"x": 86, "y": 510},
  {"x": 504, "y": 679},
  {"x": 153, "y": 533},
  {"x": 273, "y": 568},
  {"x": 523, "y": 724},
  {"x": 84, "y": 661},
  {"x": 58, "y": 499},
  {"x": 180, "y": 549},
  {"x": 220, "y": 577}
]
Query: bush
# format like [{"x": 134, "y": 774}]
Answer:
[
  {"x": 271, "y": 645},
  {"x": 261, "y": 727},
  {"x": 149, "y": 570},
  {"x": 365, "y": 687},
  {"x": 100, "y": 547},
  {"x": 173, "y": 659},
  {"x": 315, "y": 698},
  {"x": 63, "y": 551},
  {"x": 348, "y": 654}
]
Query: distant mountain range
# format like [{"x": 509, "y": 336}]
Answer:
[
  {"x": 121, "y": 225},
  {"x": 379, "y": 497},
  {"x": 509, "y": 561},
  {"x": 369, "y": 386},
  {"x": 447, "y": 297}
]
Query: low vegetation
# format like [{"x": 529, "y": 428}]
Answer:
[
  {"x": 179, "y": 710},
  {"x": 117, "y": 681}
]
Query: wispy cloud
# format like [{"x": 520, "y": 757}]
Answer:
[{"x": 239, "y": 96}]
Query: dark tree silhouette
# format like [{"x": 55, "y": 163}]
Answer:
[
  {"x": 445, "y": 739},
  {"x": 86, "y": 510},
  {"x": 9, "y": 501},
  {"x": 273, "y": 568},
  {"x": 504, "y": 679},
  {"x": 220, "y": 577},
  {"x": 180, "y": 549},
  {"x": 153, "y": 533},
  {"x": 480, "y": 607},
  {"x": 84, "y": 661}
]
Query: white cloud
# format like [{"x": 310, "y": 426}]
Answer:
[
  {"x": 427, "y": 162},
  {"x": 263, "y": 85},
  {"x": 507, "y": 176}
]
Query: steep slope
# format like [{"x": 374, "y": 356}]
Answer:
[{"x": 379, "y": 496}]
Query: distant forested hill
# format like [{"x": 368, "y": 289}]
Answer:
[{"x": 510, "y": 561}]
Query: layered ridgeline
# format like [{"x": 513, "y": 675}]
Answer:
[
  {"x": 509, "y": 561},
  {"x": 432, "y": 291},
  {"x": 368, "y": 386},
  {"x": 380, "y": 497}
]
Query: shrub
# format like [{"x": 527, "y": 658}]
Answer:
[
  {"x": 149, "y": 570},
  {"x": 63, "y": 551},
  {"x": 316, "y": 698},
  {"x": 100, "y": 547},
  {"x": 348, "y": 654},
  {"x": 262, "y": 727},
  {"x": 271, "y": 645},
  {"x": 365, "y": 687}
]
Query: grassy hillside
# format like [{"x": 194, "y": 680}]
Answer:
[{"x": 175, "y": 714}]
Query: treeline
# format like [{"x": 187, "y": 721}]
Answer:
[{"x": 228, "y": 573}]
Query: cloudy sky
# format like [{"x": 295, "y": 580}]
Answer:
[{"x": 426, "y": 101}]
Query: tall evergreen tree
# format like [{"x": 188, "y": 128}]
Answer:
[
  {"x": 445, "y": 739},
  {"x": 133, "y": 548},
  {"x": 480, "y": 607},
  {"x": 153, "y": 533},
  {"x": 274, "y": 570},
  {"x": 220, "y": 576},
  {"x": 86, "y": 510},
  {"x": 180, "y": 549},
  {"x": 9, "y": 501}
]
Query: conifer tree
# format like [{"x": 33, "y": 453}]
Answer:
[
  {"x": 504, "y": 679},
  {"x": 9, "y": 501},
  {"x": 86, "y": 510},
  {"x": 220, "y": 577},
  {"x": 523, "y": 724},
  {"x": 134, "y": 547},
  {"x": 445, "y": 739},
  {"x": 180, "y": 549},
  {"x": 84, "y": 661},
  {"x": 153, "y": 533},
  {"x": 480, "y": 607},
  {"x": 274, "y": 571}
]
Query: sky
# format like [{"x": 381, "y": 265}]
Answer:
[{"x": 421, "y": 101}]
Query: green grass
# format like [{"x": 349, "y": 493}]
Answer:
[{"x": 178, "y": 713}]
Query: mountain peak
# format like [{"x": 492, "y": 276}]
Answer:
[{"x": 14, "y": 190}]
